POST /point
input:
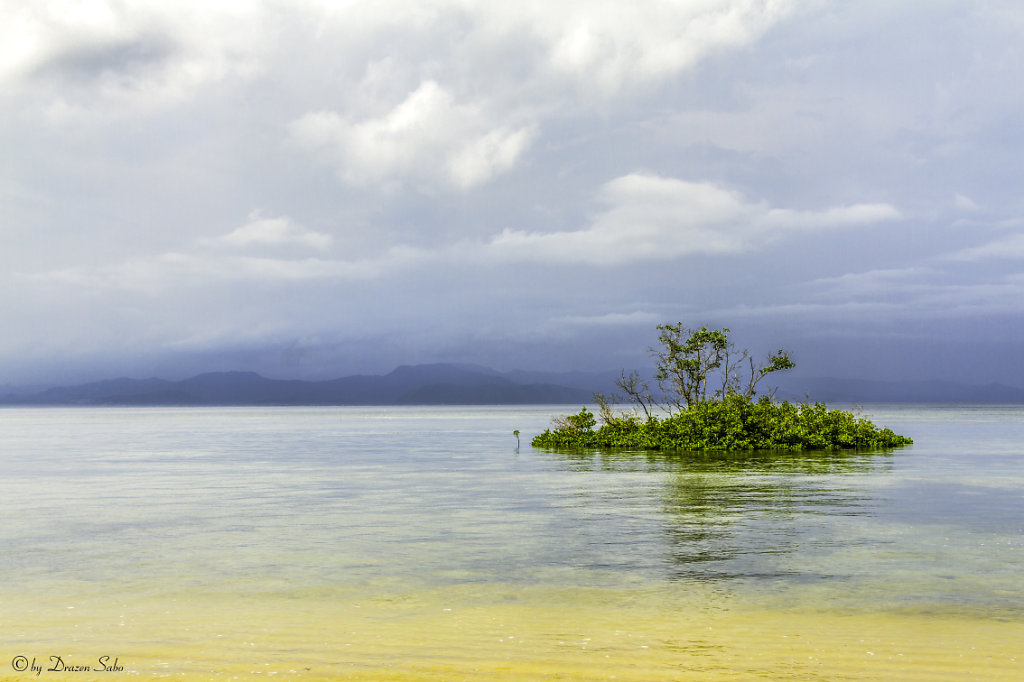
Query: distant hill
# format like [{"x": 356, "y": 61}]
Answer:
[
  {"x": 453, "y": 384},
  {"x": 406, "y": 385}
]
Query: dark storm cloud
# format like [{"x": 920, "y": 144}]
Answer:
[{"x": 88, "y": 62}]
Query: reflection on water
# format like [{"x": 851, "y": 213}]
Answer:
[
  {"x": 745, "y": 462},
  {"x": 735, "y": 515},
  {"x": 900, "y": 530}
]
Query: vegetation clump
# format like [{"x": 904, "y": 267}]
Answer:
[{"x": 706, "y": 390}]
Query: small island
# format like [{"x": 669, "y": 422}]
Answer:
[{"x": 707, "y": 396}]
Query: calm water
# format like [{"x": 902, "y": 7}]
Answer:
[{"x": 419, "y": 543}]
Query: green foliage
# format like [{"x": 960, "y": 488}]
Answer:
[
  {"x": 697, "y": 365},
  {"x": 737, "y": 422},
  {"x": 577, "y": 424},
  {"x": 686, "y": 359},
  {"x": 708, "y": 407}
]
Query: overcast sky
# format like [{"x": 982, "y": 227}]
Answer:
[{"x": 314, "y": 188}]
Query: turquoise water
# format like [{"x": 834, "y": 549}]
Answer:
[{"x": 147, "y": 507}]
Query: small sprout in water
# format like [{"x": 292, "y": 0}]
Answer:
[{"x": 516, "y": 434}]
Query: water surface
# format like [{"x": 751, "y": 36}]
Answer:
[{"x": 419, "y": 543}]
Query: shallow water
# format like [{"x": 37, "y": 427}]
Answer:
[{"x": 418, "y": 543}]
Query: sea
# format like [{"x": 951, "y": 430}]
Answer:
[{"x": 430, "y": 543}]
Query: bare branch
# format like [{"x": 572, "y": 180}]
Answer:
[{"x": 637, "y": 391}]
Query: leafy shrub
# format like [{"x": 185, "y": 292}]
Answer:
[{"x": 736, "y": 422}]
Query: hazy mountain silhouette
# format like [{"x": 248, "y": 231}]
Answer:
[
  {"x": 454, "y": 384},
  {"x": 406, "y": 385}
]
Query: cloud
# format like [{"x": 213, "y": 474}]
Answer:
[
  {"x": 158, "y": 275},
  {"x": 637, "y": 317},
  {"x": 230, "y": 258},
  {"x": 1009, "y": 248},
  {"x": 494, "y": 77},
  {"x": 872, "y": 283},
  {"x": 611, "y": 47},
  {"x": 114, "y": 58},
  {"x": 779, "y": 219},
  {"x": 466, "y": 165},
  {"x": 599, "y": 46},
  {"x": 272, "y": 232},
  {"x": 652, "y": 218},
  {"x": 921, "y": 291},
  {"x": 425, "y": 136},
  {"x": 964, "y": 202},
  {"x": 647, "y": 218}
]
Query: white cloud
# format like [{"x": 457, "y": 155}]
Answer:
[
  {"x": 477, "y": 96},
  {"x": 653, "y": 218},
  {"x": 273, "y": 232},
  {"x": 425, "y": 136},
  {"x": 612, "y": 46},
  {"x": 479, "y": 159},
  {"x": 840, "y": 216},
  {"x": 964, "y": 202},
  {"x": 605, "y": 45}
]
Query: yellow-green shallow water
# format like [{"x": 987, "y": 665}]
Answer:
[
  {"x": 504, "y": 632},
  {"x": 420, "y": 544}
]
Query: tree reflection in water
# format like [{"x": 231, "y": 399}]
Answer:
[{"x": 749, "y": 516}]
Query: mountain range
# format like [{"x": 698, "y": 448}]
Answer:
[
  {"x": 456, "y": 384},
  {"x": 406, "y": 385}
]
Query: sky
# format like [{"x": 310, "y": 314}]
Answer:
[{"x": 315, "y": 188}]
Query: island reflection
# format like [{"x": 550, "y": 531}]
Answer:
[{"x": 741, "y": 516}]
